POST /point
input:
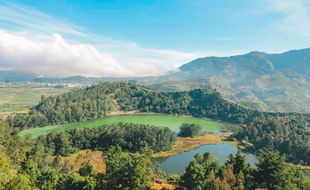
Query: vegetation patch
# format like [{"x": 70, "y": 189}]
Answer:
[
  {"x": 75, "y": 161},
  {"x": 97, "y": 159},
  {"x": 158, "y": 120},
  {"x": 187, "y": 143}
]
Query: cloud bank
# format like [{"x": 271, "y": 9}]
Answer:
[
  {"x": 36, "y": 42},
  {"x": 55, "y": 56}
]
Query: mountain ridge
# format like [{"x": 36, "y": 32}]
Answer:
[
  {"x": 269, "y": 82},
  {"x": 274, "y": 82}
]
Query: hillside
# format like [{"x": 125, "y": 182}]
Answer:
[
  {"x": 99, "y": 100},
  {"x": 270, "y": 82},
  {"x": 15, "y": 76}
]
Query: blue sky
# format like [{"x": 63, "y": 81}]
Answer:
[{"x": 143, "y": 37}]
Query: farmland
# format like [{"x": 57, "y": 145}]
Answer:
[
  {"x": 159, "y": 120},
  {"x": 21, "y": 98}
]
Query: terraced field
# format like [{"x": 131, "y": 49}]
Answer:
[{"x": 159, "y": 120}]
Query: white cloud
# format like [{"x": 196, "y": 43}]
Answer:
[
  {"x": 55, "y": 56},
  {"x": 46, "y": 45},
  {"x": 295, "y": 18}
]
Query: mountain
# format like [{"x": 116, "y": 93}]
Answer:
[
  {"x": 16, "y": 76},
  {"x": 271, "y": 82}
]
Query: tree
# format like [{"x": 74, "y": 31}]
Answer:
[
  {"x": 189, "y": 130},
  {"x": 28, "y": 169},
  {"x": 86, "y": 170},
  {"x": 274, "y": 173},
  {"x": 48, "y": 179},
  {"x": 200, "y": 172},
  {"x": 241, "y": 168},
  {"x": 228, "y": 180},
  {"x": 125, "y": 171},
  {"x": 21, "y": 181},
  {"x": 76, "y": 182},
  {"x": 6, "y": 171}
]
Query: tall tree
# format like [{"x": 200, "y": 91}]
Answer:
[
  {"x": 125, "y": 171},
  {"x": 199, "y": 174}
]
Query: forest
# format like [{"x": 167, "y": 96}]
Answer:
[
  {"x": 98, "y": 100},
  {"x": 27, "y": 164},
  {"x": 290, "y": 137},
  {"x": 263, "y": 128},
  {"x": 130, "y": 137}
]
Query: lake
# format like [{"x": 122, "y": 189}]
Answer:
[{"x": 177, "y": 163}]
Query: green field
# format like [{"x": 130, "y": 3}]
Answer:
[
  {"x": 159, "y": 120},
  {"x": 21, "y": 98}
]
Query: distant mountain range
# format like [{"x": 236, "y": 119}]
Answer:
[
  {"x": 270, "y": 82},
  {"x": 273, "y": 82},
  {"x": 16, "y": 76}
]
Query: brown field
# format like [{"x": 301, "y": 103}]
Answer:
[
  {"x": 75, "y": 161},
  {"x": 184, "y": 144},
  {"x": 158, "y": 185}
]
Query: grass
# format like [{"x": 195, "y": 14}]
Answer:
[
  {"x": 76, "y": 160},
  {"x": 185, "y": 144},
  {"x": 21, "y": 98},
  {"x": 158, "y": 120}
]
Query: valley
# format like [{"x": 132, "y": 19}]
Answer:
[
  {"x": 82, "y": 128},
  {"x": 154, "y": 95}
]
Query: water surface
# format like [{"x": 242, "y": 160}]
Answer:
[{"x": 177, "y": 163}]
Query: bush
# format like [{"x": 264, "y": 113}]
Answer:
[{"x": 189, "y": 130}]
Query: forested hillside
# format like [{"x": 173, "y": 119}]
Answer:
[
  {"x": 99, "y": 100},
  {"x": 290, "y": 136}
]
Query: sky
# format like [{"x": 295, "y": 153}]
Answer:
[{"x": 142, "y": 37}]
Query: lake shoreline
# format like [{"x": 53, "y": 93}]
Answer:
[{"x": 184, "y": 144}]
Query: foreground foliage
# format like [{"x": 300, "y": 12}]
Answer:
[
  {"x": 272, "y": 173},
  {"x": 27, "y": 164}
]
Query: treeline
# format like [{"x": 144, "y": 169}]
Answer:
[
  {"x": 290, "y": 137},
  {"x": 30, "y": 120},
  {"x": 130, "y": 137},
  {"x": 97, "y": 101},
  {"x": 271, "y": 172}
]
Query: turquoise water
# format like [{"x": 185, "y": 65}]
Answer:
[{"x": 177, "y": 163}]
